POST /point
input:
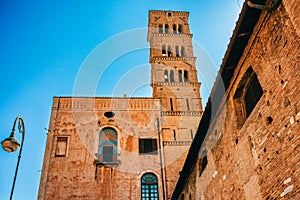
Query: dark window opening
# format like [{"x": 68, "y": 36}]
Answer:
[
  {"x": 166, "y": 76},
  {"x": 172, "y": 76},
  {"x": 166, "y": 28},
  {"x": 179, "y": 28},
  {"x": 174, "y": 28},
  {"x": 182, "y": 52},
  {"x": 247, "y": 95},
  {"x": 202, "y": 165},
  {"x": 169, "y": 51},
  {"x": 171, "y": 104},
  {"x": 109, "y": 114},
  {"x": 160, "y": 28},
  {"x": 192, "y": 135},
  {"x": 149, "y": 186},
  {"x": 179, "y": 75},
  {"x": 177, "y": 51},
  {"x": 147, "y": 146},
  {"x": 163, "y": 50},
  {"x": 253, "y": 94},
  {"x": 174, "y": 132},
  {"x": 185, "y": 74}
]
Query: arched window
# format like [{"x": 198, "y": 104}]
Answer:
[
  {"x": 160, "y": 28},
  {"x": 174, "y": 28},
  {"x": 185, "y": 74},
  {"x": 169, "y": 51},
  {"x": 172, "y": 76},
  {"x": 163, "y": 50},
  {"x": 166, "y": 28},
  {"x": 149, "y": 187},
  {"x": 179, "y": 28},
  {"x": 182, "y": 52},
  {"x": 177, "y": 51},
  {"x": 179, "y": 75},
  {"x": 108, "y": 145},
  {"x": 166, "y": 76}
]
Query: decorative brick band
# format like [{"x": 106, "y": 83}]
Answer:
[
  {"x": 177, "y": 143},
  {"x": 180, "y": 113},
  {"x": 172, "y": 34},
  {"x": 176, "y": 84},
  {"x": 174, "y": 58}
]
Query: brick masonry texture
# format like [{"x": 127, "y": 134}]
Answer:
[{"x": 260, "y": 159}]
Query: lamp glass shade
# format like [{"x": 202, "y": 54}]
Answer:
[{"x": 10, "y": 144}]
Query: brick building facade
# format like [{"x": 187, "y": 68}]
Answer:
[
  {"x": 128, "y": 148},
  {"x": 247, "y": 143}
]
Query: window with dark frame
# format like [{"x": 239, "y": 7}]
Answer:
[
  {"x": 61, "y": 146},
  {"x": 148, "y": 146}
]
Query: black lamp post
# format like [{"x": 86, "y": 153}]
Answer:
[{"x": 10, "y": 144}]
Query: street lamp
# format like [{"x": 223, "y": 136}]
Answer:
[{"x": 10, "y": 144}]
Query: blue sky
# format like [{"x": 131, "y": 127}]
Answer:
[{"x": 44, "y": 45}]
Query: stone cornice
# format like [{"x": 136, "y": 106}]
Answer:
[
  {"x": 176, "y": 84},
  {"x": 165, "y": 11},
  {"x": 159, "y": 58},
  {"x": 95, "y": 104},
  {"x": 172, "y": 35},
  {"x": 181, "y": 113}
]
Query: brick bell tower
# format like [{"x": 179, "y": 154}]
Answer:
[{"x": 174, "y": 81}]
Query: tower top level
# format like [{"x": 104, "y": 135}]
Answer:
[
  {"x": 167, "y": 22},
  {"x": 173, "y": 65}
]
